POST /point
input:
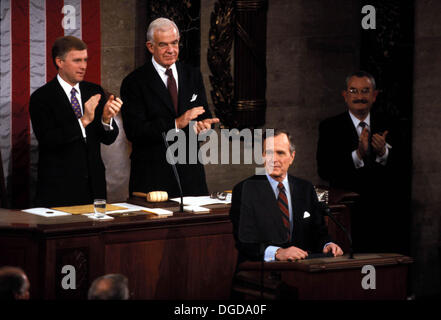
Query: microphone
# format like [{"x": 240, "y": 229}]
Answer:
[
  {"x": 327, "y": 212},
  {"x": 175, "y": 171}
]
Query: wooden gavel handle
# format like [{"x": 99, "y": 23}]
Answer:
[{"x": 139, "y": 194}]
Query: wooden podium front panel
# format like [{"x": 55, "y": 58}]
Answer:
[
  {"x": 340, "y": 278},
  {"x": 178, "y": 268},
  {"x": 347, "y": 284}
]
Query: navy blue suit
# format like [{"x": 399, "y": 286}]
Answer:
[
  {"x": 70, "y": 168},
  {"x": 257, "y": 219},
  {"x": 148, "y": 112},
  {"x": 380, "y": 220}
]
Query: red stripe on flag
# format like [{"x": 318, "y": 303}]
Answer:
[
  {"x": 91, "y": 34},
  {"x": 20, "y": 125},
  {"x": 54, "y": 29}
]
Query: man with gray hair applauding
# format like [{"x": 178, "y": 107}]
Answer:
[{"x": 162, "y": 95}]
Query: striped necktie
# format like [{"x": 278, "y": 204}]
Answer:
[
  {"x": 75, "y": 104},
  {"x": 282, "y": 201}
]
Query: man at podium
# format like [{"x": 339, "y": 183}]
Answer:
[{"x": 276, "y": 216}]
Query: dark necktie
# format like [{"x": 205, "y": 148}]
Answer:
[
  {"x": 282, "y": 201},
  {"x": 171, "y": 86},
  {"x": 75, "y": 104},
  {"x": 369, "y": 149}
]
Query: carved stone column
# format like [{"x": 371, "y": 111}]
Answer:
[{"x": 250, "y": 63}]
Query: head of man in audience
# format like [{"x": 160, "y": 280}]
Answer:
[
  {"x": 69, "y": 54},
  {"x": 109, "y": 287},
  {"x": 360, "y": 93},
  {"x": 278, "y": 153},
  {"x": 163, "y": 41},
  {"x": 14, "y": 284}
]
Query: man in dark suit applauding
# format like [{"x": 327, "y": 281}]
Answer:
[
  {"x": 276, "y": 216},
  {"x": 160, "y": 96},
  {"x": 70, "y": 118},
  {"x": 358, "y": 150}
]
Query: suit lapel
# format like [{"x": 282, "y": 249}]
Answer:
[
  {"x": 295, "y": 200},
  {"x": 262, "y": 192},
  {"x": 182, "y": 87},
  {"x": 155, "y": 82},
  {"x": 64, "y": 102},
  {"x": 348, "y": 127}
]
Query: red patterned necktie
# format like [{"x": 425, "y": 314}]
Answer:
[
  {"x": 282, "y": 201},
  {"x": 75, "y": 104},
  {"x": 171, "y": 86}
]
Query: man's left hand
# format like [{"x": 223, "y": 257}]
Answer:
[
  {"x": 111, "y": 108},
  {"x": 205, "y": 124},
  {"x": 335, "y": 249},
  {"x": 379, "y": 143}
]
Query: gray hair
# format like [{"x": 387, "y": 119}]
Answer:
[
  {"x": 360, "y": 74},
  {"x": 109, "y": 287},
  {"x": 276, "y": 132},
  {"x": 162, "y": 24}
]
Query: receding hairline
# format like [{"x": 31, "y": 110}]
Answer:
[
  {"x": 276, "y": 133},
  {"x": 360, "y": 74},
  {"x": 161, "y": 25}
]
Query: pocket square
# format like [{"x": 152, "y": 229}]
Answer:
[
  {"x": 193, "y": 97},
  {"x": 306, "y": 215}
]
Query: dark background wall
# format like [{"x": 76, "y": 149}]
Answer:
[{"x": 311, "y": 46}]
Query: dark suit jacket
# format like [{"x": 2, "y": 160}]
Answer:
[
  {"x": 148, "y": 112},
  {"x": 257, "y": 219},
  {"x": 337, "y": 139},
  {"x": 70, "y": 169},
  {"x": 383, "y": 202}
]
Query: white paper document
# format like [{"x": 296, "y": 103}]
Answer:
[
  {"x": 100, "y": 216},
  {"x": 46, "y": 212},
  {"x": 196, "y": 209},
  {"x": 132, "y": 207},
  {"x": 200, "y": 201}
]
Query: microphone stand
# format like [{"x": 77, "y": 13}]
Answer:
[
  {"x": 175, "y": 171},
  {"x": 327, "y": 212}
]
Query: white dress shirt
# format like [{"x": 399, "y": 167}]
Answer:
[
  {"x": 359, "y": 163},
  {"x": 161, "y": 71},
  {"x": 67, "y": 89}
]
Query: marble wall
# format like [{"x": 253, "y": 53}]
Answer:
[
  {"x": 311, "y": 46},
  {"x": 123, "y": 43},
  {"x": 426, "y": 170}
]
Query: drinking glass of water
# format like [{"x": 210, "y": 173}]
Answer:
[{"x": 99, "y": 206}]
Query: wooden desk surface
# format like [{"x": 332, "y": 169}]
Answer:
[
  {"x": 184, "y": 256},
  {"x": 16, "y": 221},
  {"x": 332, "y": 263}
]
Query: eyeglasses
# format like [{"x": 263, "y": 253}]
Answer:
[{"x": 355, "y": 91}]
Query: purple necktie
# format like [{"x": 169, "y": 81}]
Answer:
[
  {"x": 171, "y": 86},
  {"x": 75, "y": 104}
]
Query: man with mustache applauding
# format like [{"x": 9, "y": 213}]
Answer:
[{"x": 357, "y": 151}]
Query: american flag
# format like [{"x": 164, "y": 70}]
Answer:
[{"x": 28, "y": 30}]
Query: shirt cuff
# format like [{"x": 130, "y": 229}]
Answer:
[
  {"x": 107, "y": 127},
  {"x": 383, "y": 159},
  {"x": 327, "y": 244},
  {"x": 270, "y": 253},
  {"x": 83, "y": 130},
  {"x": 358, "y": 163}
]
